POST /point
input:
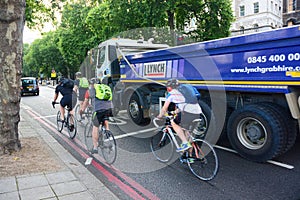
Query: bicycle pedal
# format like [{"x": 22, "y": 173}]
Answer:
[{"x": 182, "y": 160}]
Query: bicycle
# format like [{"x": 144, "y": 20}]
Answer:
[
  {"x": 106, "y": 142},
  {"x": 87, "y": 113},
  {"x": 72, "y": 130},
  {"x": 201, "y": 157}
]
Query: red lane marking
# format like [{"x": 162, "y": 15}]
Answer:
[
  {"x": 136, "y": 185},
  {"x": 128, "y": 190},
  {"x": 113, "y": 179}
]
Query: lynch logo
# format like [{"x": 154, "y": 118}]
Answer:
[{"x": 155, "y": 69}]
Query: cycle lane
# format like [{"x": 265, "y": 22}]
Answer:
[{"x": 127, "y": 185}]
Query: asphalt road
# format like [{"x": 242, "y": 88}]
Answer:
[{"x": 136, "y": 169}]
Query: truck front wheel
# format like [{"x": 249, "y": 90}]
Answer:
[
  {"x": 134, "y": 109},
  {"x": 256, "y": 132}
]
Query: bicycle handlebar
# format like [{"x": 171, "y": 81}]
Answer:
[
  {"x": 168, "y": 115},
  {"x": 154, "y": 122},
  {"x": 53, "y": 103}
]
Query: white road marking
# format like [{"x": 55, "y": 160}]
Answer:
[
  {"x": 287, "y": 166},
  {"x": 135, "y": 133},
  {"x": 88, "y": 161},
  {"x": 43, "y": 117}
]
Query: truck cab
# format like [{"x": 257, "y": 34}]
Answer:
[
  {"x": 107, "y": 56},
  {"x": 103, "y": 62}
]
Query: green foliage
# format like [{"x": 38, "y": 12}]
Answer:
[
  {"x": 85, "y": 24},
  {"x": 75, "y": 37},
  {"x": 98, "y": 21},
  {"x": 43, "y": 56},
  {"x": 213, "y": 18},
  {"x": 37, "y": 12}
]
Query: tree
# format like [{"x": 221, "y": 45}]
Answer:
[
  {"x": 213, "y": 18},
  {"x": 43, "y": 55},
  {"x": 75, "y": 37},
  {"x": 12, "y": 17}
]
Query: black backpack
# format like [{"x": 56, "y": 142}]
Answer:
[
  {"x": 68, "y": 83},
  {"x": 189, "y": 92}
]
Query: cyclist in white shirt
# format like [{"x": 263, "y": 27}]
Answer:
[{"x": 186, "y": 112}]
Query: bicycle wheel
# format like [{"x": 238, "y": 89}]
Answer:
[
  {"x": 77, "y": 115},
  {"x": 89, "y": 112},
  {"x": 88, "y": 139},
  {"x": 72, "y": 126},
  {"x": 162, "y": 146},
  {"x": 108, "y": 146},
  {"x": 202, "y": 160},
  {"x": 59, "y": 123}
]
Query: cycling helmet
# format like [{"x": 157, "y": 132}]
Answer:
[
  {"x": 78, "y": 74},
  {"x": 173, "y": 83},
  {"x": 95, "y": 81}
]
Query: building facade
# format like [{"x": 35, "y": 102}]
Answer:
[
  {"x": 256, "y": 16},
  {"x": 291, "y": 12}
]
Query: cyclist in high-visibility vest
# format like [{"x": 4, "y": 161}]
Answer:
[
  {"x": 81, "y": 85},
  {"x": 102, "y": 97}
]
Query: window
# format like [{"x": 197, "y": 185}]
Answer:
[
  {"x": 292, "y": 5},
  {"x": 101, "y": 57},
  {"x": 256, "y": 7},
  {"x": 242, "y": 29},
  {"x": 242, "y": 11},
  {"x": 255, "y": 26},
  {"x": 272, "y": 8}
]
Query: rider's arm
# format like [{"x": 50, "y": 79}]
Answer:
[
  {"x": 56, "y": 94},
  {"x": 85, "y": 102},
  {"x": 164, "y": 109},
  {"x": 75, "y": 88},
  {"x": 55, "y": 97}
]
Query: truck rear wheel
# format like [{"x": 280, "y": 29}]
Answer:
[
  {"x": 290, "y": 124},
  {"x": 256, "y": 132},
  {"x": 134, "y": 109}
]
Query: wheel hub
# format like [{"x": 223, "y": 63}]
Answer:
[
  {"x": 254, "y": 133},
  {"x": 134, "y": 109},
  {"x": 251, "y": 133}
]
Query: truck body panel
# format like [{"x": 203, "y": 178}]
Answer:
[
  {"x": 270, "y": 59},
  {"x": 257, "y": 74}
]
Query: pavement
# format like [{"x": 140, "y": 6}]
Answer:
[{"x": 72, "y": 182}]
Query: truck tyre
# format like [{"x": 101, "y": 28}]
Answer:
[
  {"x": 256, "y": 132},
  {"x": 289, "y": 122},
  {"x": 134, "y": 109}
]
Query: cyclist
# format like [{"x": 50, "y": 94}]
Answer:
[
  {"x": 65, "y": 88},
  {"x": 186, "y": 112},
  {"x": 81, "y": 86},
  {"x": 102, "y": 97}
]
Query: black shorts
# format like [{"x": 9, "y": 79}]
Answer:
[
  {"x": 66, "y": 101},
  {"x": 185, "y": 119},
  {"x": 100, "y": 116},
  {"x": 81, "y": 93}
]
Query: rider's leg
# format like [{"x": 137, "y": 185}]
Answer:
[
  {"x": 179, "y": 131},
  {"x": 106, "y": 125},
  {"x": 71, "y": 119},
  {"x": 185, "y": 144},
  {"x": 95, "y": 136},
  {"x": 62, "y": 112},
  {"x": 96, "y": 123}
]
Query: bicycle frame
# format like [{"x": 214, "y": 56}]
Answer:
[
  {"x": 201, "y": 158},
  {"x": 171, "y": 132}
]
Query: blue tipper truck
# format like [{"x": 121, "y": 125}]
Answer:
[{"x": 249, "y": 86}]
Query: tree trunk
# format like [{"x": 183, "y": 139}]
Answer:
[
  {"x": 171, "y": 19},
  {"x": 12, "y": 18}
]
